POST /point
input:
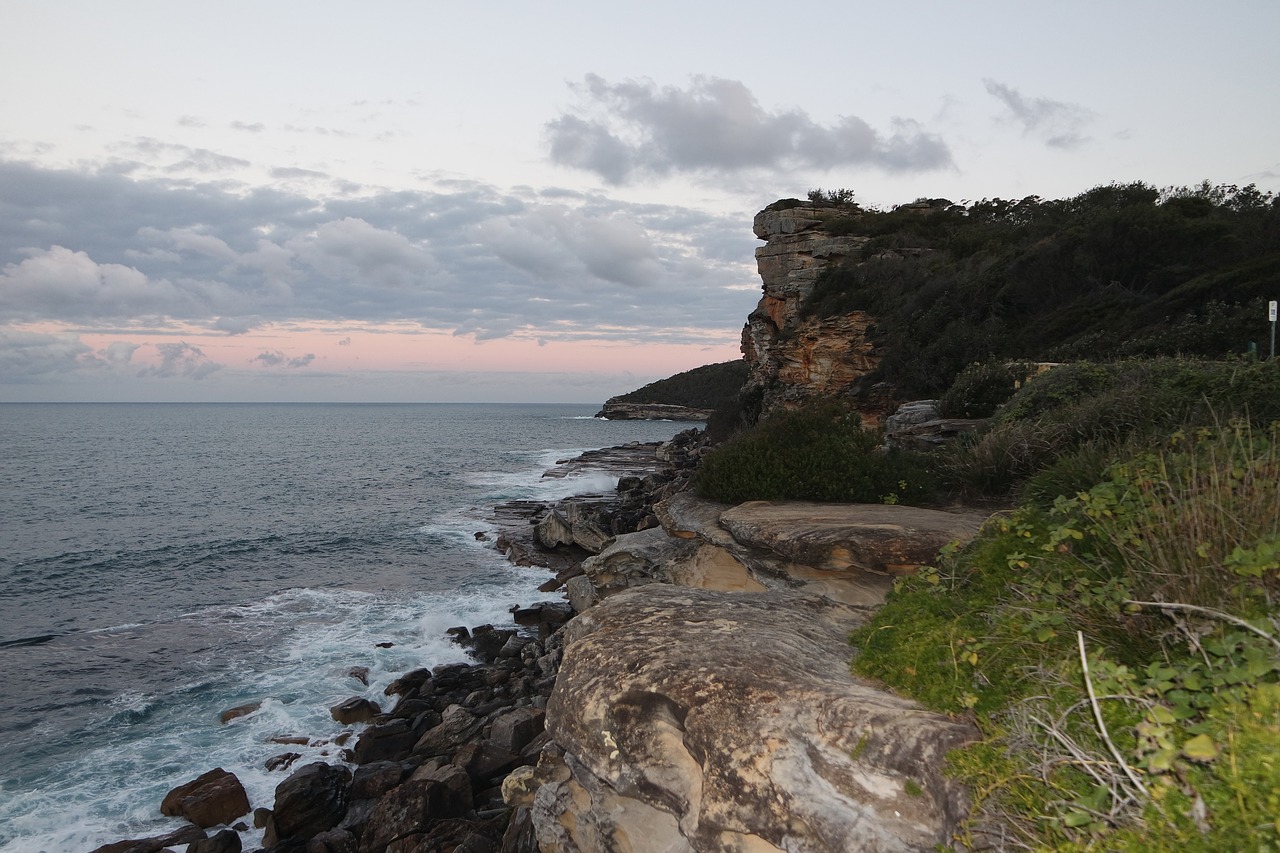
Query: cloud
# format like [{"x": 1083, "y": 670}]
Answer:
[
  {"x": 119, "y": 253},
  {"x": 1058, "y": 123},
  {"x": 276, "y": 358},
  {"x": 27, "y": 356},
  {"x": 715, "y": 125},
  {"x": 181, "y": 360},
  {"x": 255, "y": 127}
]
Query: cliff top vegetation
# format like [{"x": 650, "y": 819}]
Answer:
[{"x": 1119, "y": 270}]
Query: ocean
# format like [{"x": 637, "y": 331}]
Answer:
[{"x": 161, "y": 563}]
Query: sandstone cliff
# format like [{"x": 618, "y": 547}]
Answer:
[{"x": 791, "y": 358}]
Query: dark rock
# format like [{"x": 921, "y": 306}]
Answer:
[
  {"x": 225, "y": 841},
  {"x": 521, "y": 836},
  {"x": 484, "y": 761},
  {"x": 408, "y": 682},
  {"x": 374, "y": 780},
  {"x": 290, "y": 740},
  {"x": 456, "y": 728},
  {"x": 360, "y": 674},
  {"x": 437, "y": 794},
  {"x": 311, "y": 800},
  {"x": 333, "y": 841},
  {"x": 357, "y": 709},
  {"x": 238, "y": 711},
  {"x": 214, "y": 798},
  {"x": 384, "y": 741},
  {"x": 185, "y": 835},
  {"x": 514, "y": 730},
  {"x": 281, "y": 761}
]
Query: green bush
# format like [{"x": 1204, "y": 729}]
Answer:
[
  {"x": 981, "y": 389},
  {"x": 1111, "y": 409},
  {"x": 818, "y": 453}
]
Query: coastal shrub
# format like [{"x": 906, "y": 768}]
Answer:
[
  {"x": 981, "y": 389},
  {"x": 1118, "y": 651},
  {"x": 1109, "y": 408},
  {"x": 818, "y": 453}
]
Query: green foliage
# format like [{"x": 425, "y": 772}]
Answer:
[
  {"x": 982, "y": 388},
  {"x": 819, "y": 453},
  {"x": 1120, "y": 270},
  {"x": 834, "y": 198},
  {"x": 706, "y": 387},
  {"x": 1062, "y": 427},
  {"x": 1161, "y": 577}
]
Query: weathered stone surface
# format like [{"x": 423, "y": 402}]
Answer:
[
  {"x": 701, "y": 720},
  {"x": 651, "y": 556},
  {"x": 791, "y": 358},
  {"x": 836, "y": 537},
  {"x": 457, "y": 727},
  {"x": 517, "y": 728},
  {"x": 312, "y": 800},
  {"x": 213, "y": 798}
]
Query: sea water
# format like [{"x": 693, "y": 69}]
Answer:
[{"x": 161, "y": 563}]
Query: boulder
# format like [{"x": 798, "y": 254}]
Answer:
[
  {"x": 456, "y": 728},
  {"x": 238, "y": 711},
  {"x": 651, "y": 556},
  {"x": 186, "y": 835},
  {"x": 704, "y": 720},
  {"x": 516, "y": 729},
  {"x": 213, "y": 798},
  {"x": 226, "y": 841},
  {"x": 357, "y": 709},
  {"x": 436, "y": 794},
  {"x": 384, "y": 741},
  {"x": 312, "y": 800}
]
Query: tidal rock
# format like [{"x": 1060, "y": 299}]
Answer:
[
  {"x": 360, "y": 674},
  {"x": 312, "y": 800},
  {"x": 238, "y": 711},
  {"x": 357, "y": 709},
  {"x": 185, "y": 835},
  {"x": 213, "y": 798},
  {"x": 457, "y": 727},
  {"x": 702, "y": 720},
  {"x": 619, "y": 411},
  {"x": 225, "y": 841}
]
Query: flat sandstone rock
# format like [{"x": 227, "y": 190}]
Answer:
[
  {"x": 703, "y": 720},
  {"x": 835, "y": 537}
]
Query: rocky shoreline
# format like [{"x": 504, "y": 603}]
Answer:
[
  {"x": 694, "y": 692},
  {"x": 429, "y": 771}
]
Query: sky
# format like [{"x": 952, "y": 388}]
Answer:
[{"x": 517, "y": 202}]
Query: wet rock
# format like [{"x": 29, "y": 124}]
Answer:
[
  {"x": 360, "y": 674},
  {"x": 185, "y": 835},
  {"x": 282, "y": 761},
  {"x": 213, "y": 798},
  {"x": 384, "y": 741},
  {"x": 357, "y": 709},
  {"x": 312, "y": 800},
  {"x": 238, "y": 711},
  {"x": 225, "y": 841},
  {"x": 436, "y": 794}
]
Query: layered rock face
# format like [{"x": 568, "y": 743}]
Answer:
[{"x": 792, "y": 359}]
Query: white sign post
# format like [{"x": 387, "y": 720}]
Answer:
[{"x": 1271, "y": 311}]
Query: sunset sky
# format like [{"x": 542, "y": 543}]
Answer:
[{"x": 415, "y": 201}]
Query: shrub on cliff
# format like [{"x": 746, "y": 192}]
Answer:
[{"x": 818, "y": 453}]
